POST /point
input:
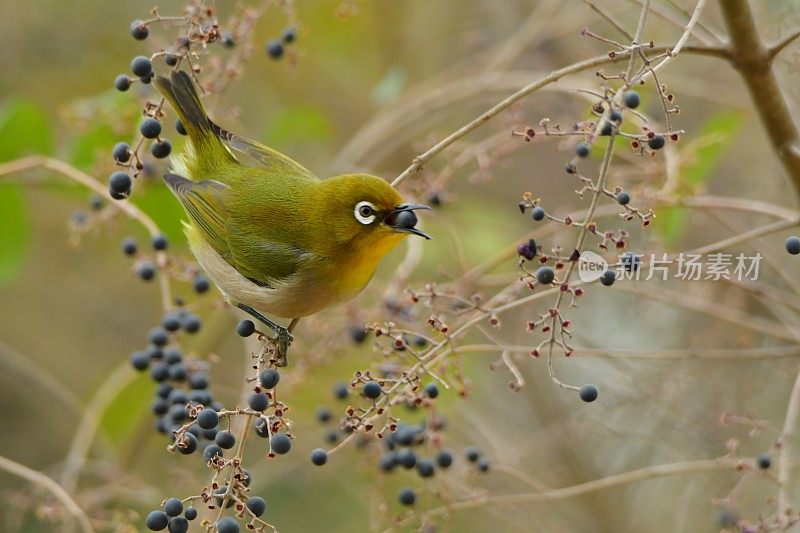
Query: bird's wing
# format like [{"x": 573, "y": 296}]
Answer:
[
  {"x": 264, "y": 261},
  {"x": 202, "y": 201},
  {"x": 265, "y": 155}
]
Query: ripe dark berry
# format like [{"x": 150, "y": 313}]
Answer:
[
  {"x": 764, "y": 461},
  {"x": 159, "y": 242},
  {"x": 280, "y": 443},
  {"x": 258, "y": 401},
  {"x": 121, "y": 152},
  {"x": 425, "y": 468},
  {"x": 191, "y": 513},
  {"x": 150, "y": 128},
  {"x": 245, "y": 328},
  {"x": 139, "y": 30},
  {"x": 483, "y": 464},
  {"x": 444, "y": 458},
  {"x": 261, "y": 427},
  {"x": 200, "y": 284},
  {"x": 289, "y": 35},
  {"x": 147, "y": 79},
  {"x": 227, "y": 525},
  {"x": 623, "y": 198},
  {"x": 156, "y": 520},
  {"x": 189, "y": 443},
  {"x": 178, "y": 412},
  {"x": 210, "y": 451},
  {"x": 171, "y": 60},
  {"x": 146, "y": 270},
  {"x": 177, "y": 396},
  {"x": 358, "y": 334},
  {"x": 269, "y": 378},
  {"x": 191, "y": 323},
  {"x": 324, "y": 415},
  {"x": 178, "y": 524},
  {"x": 275, "y": 49},
  {"x": 545, "y": 275},
  {"x": 537, "y": 213},
  {"x": 388, "y": 461},
  {"x": 159, "y": 372},
  {"x": 122, "y": 83},
  {"x": 171, "y": 322},
  {"x": 120, "y": 183},
  {"x": 582, "y": 150},
  {"x": 198, "y": 380},
  {"x": 630, "y": 261},
  {"x": 792, "y": 245},
  {"x": 606, "y": 130},
  {"x": 225, "y": 440},
  {"x": 207, "y": 419},
  {"x": 432, "y": 390},
  {"x": 588, "y": 392},
  {"x": 161, "y": 149},
  {"x": 141, "y": 66},
  {"x": 129, "y": 246},
  {"x": 407, "y": 458},
  {"x": 407, "y": 496},
  {"x": 173, "y": 507},
  {"x": 158, "y": 336},
  {"x": 319, "y": 456},
  {"x": 140, "y": 360},
  {"x": 159, "y": 406},
  {"x": 657, "y": 142},
  {"x": 372, "y": 390},
  {"x": 179, "y": 127},
  {"x": 472, "y": 454},
  {"x": 96, "y": 202},
  {"x": 615, "y": 117},
  {"x": 630, "y": 99},
  {"x": 227, "y": 40},
  {"x": 608, "y": 278},
  {"x": 340, "y": 391},
  {"x": 257, "y": 505}
]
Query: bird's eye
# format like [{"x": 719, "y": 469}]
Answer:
[{"x": 365, "y": 212}]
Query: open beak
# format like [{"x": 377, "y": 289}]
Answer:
[{"x": 403, "y": 219}]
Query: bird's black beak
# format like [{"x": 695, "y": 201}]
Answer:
[{"x": 403, "y": 219}]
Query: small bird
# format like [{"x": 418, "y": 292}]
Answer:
[{"x": 273, "y": 237}]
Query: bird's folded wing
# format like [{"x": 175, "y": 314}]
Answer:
[
  {"x": 263, "y": 154},
  {"x": 202, "y": 201},
  {"x": 264, "y": 261}
]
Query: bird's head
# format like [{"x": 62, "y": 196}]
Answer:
[{"x": 364, "y": 212}]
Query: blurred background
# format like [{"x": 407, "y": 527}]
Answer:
[{"x": 368, "y": 85}]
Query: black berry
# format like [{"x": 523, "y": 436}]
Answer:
[
  {"x": 472, "y": 454},
  {"x": 372, "y": 390},
  {"x": 407, "y": 496},
  {"x": 444, "y": 458},
  {"x": 139, "y": 30},
  {"x": 245, "y": 328},
  {"x": 280, "y": 443},
  {"x": 159, "y": 242},
  {"x": 269, "y": 378},
  {"x": 656, "y": 142},
  {"x": 171, "y": 60},
  {"x": 792, "y": 245},
  {"x": 173, "y": 507},
  {"x": 630, "y": 99},
  {"x": 545, "y": 275},
  {"x": 582, "y": 150},
  {"x": 225, "y": 440},
  {"x": 178, "y": 524},
  {"x": 139, "y": 360},
  {"x": 275, "y": 49},
  {"x": 425, "y": 468},
  {"x": 146, "y": 270},
  {"x": 122, "y": 83},
  {"x": 156, "y": 520},
  {"x": 129, "y": 246},
  {"x": 623, "y": 198},
  {"x": 191, "y": 513},
  {"x": 340, "y": 391},
  {"x": 161, "y": 149},
  {"x": 119, "y": 182},
  {"x": 179, "y": 127},
  {"x": 200, "y": 284},
  {"x": 764, "y": 461},
  {"x": 121, "y": 152},
  {"x": 150, "y": 128},
  {"x": 537, "y": 213},
  {"x": 483, "y": 464},
  {"x": 257, "y": 505},
  {"x": 432, "y": 390},
  {"x": 141, "y": 66},
  {"x": 319, "y": 457},
  {"x": 227, "y": 525},
  {"x": 207, "y": 419},
  {"x": 588, "y": 392},
  {"x": 258, "y": 401},
  {"x": 608, "y": 278}
]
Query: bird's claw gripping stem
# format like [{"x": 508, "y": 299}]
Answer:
[{"x": 283, "y": 337}]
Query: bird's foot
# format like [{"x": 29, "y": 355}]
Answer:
[{"x": 283, "y": 339}]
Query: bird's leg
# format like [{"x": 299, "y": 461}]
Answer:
[{"x": 283, "y": 336}]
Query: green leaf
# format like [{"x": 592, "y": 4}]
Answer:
[
  {"x": 703, "y": 155},
  {"x": 24, "y": 129},
  {"x": 14, "y": 232},
  {"x": 90, "y": 144}
]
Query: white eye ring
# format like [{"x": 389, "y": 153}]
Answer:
[{"x": 365, "y": 213}]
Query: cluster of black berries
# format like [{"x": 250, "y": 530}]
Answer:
[
  {"x": 276, "y": 47},
  {"x": 182, "y": 386},
  {"x": 145, "y": 268},
  {"x": 171, "y": 517}
]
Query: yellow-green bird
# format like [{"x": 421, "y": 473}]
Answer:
[{"x": 273, "y": 237}]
